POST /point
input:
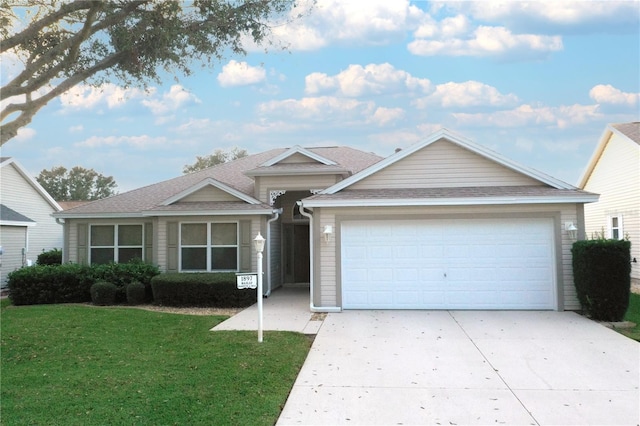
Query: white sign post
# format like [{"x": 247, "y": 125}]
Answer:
[{"x": 259, "y": 243}]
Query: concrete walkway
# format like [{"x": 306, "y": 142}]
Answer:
[
  {"x": 466, "y": 367},
  {"x": 286, "y": 309}
]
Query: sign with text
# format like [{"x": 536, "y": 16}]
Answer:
[{"x": 247, "y": 281}]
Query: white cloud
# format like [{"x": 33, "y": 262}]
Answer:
[
  {"x": 383, "y": 116},
  {"x": 139, "y": 142},
  {"x": 318, "y": 109},
  {"x": 25, "y": 134},
  {"x": 240, "y": 74},
  {"x": 170, "y": 101},
  {"x": 467, "y": 94},
  {"x": 372, "y": 79},
  {"x": 527, "y": 115},
  {"x": 76, "y": 129},
  {"x": 607, "y": 94},
  {"x": 84, "y": 96},
  {"x": 488, "y": 41}
]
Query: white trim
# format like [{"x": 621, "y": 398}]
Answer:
[
  {"x": 126, "y": 215},
  {"x": 297, "y": 149},
  {"x": 162, "y": 213},
  {"x": 32, "y": 182},
  {"x": 16, "y": 223},
  {"x": 454, "y": 201},
  {"x": 620, "y": 226},
  {"x": 208, "y": 246},
  {"x": 210, "y": 182},
  {"x": 460, "y": 141}
]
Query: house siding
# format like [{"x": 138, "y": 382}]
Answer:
[
  {"x": 327, "y": 275},
  {"x": 616, "y": 177},
  {"x": 12, "y": 239},
  {"x": 209, "y": 193},
  {"x": 444, "y": 165},
  {"x": 18, "y": 194}
]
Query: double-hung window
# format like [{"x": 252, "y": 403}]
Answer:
[
  {"x": 209, "y": 247},
  {"x": 615, "y": 227},
  {"x": 115, "y": 243}
]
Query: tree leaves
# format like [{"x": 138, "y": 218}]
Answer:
[{"x": 77, "y": 184}]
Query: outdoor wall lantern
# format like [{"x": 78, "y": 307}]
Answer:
[
  {"x": 259, "y": 243},
  {"x": 572, "y": 230},
  {"x": 327, "y": 231}
]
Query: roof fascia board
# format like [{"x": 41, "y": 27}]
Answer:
[
  {"x": 210, "y": 182},
  {"x": 460, "y": 141},
  {"x": 16, "y": 223},
  {"x": 34, "y": 183},
  {"x": 208, "y": 213},
  {"x": 297, "y": 149},
  {"x": 463, "y": 201},
  {"x": 63, "y": 215},
  {"x": 306, "y": 172}
]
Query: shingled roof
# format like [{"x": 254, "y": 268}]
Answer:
[
  {"x": 630, "y": 130},
  {"x": 233, "y": 174}
]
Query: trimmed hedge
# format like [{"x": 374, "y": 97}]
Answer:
[
  {"x": 45, "y": 284},
  {"x": 103, "y": 293},
  {"x": 602, "y": 276},
  {"x": 136, "y": 293},
  {"x": 51, "y": 257},
  {"x": 71, "y": 283},
  {"x": 216, "y": 290}
]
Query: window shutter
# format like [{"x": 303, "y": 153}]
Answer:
[
  {"x": 83, "y": 243},
  {"x": 172, "y": 246},
  {"x": 245, "y": 246},
  {"x": 148, "y": 242}
]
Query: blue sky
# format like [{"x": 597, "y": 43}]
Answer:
[{"x": 535, "y": 81}]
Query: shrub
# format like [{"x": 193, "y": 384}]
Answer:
[
  {"x": 45, "y": 284},
  {"x": 103, "y": 293},
  {"x": 136, "y": 293},
  {"x": 51, "y": 257},
  {"x": 202, "y": 289},
  {"x": 602, "y": 276},
  {"x": 123, "y": 274}
]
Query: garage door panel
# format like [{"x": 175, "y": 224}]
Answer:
[{"x": 449, "y": 264}]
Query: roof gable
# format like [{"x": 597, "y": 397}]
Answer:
[
  {"x": 10, "y": 162},
  {"x": 210, "y": 190},
  {"x": 10, "y": 217},
  {"x": 298, "y": 154},
  {"x": 505, "y": 168},
  {"x": 629, "y": 132}
]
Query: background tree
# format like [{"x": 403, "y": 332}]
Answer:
[
  {"x": 218, "y": 157},
  {"x": 77, "y": 184},
  {"x": 64, "y": 43}
]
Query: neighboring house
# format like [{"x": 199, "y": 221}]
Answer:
[
  {"x": 614, "y": 173},
  {"x": 443, "y": 224},
  {"x": 27, "y": 227}
]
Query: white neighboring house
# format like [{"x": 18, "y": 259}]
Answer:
[
  {"x": 26, "y": 225},
  {"x": 614, "y": 173}
]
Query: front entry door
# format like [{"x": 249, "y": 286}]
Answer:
[{"x": 296, "y": 253}]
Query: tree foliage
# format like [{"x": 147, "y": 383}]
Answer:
[
  {"x": 63, "y": 43},
  {"x": 77, "y": 184},
  {"x": 218, "y": 157}
]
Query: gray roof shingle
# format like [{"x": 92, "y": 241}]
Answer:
[
  {"x": 630, "y": 130},
  {"x": 10, "y": 215}
]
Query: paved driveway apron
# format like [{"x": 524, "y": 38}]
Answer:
[{"x": 466, "y": 367}]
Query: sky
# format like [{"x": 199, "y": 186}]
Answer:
[{"x": 536, "y": 81}]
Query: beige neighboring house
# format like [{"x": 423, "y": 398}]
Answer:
[
  {"x": 614, "y": 173},
  {"x": 27, "y": 227},
  {"x": 443, "y": 224}
]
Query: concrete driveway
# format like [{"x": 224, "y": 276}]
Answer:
[{"x": 466, "y": 367}]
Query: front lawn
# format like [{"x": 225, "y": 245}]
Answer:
[
  {"x": 64, "y": 364},
  {"x": 633, "y": 315}
]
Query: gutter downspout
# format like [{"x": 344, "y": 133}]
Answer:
[
  {"x": 277, "y": 214},
  {"x": 313, "y": 307}
]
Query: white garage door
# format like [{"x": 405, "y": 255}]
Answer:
[{"x": 448, "y": 264}]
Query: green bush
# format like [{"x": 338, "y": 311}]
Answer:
[
  {"x": 45, "y": 284},
  {"x": 71, "y": 283},
  {"x": 51, "y": 257},
  {"x": 602, "y": 276},
  {"x": 136, "y": 293},
  {"x": 216, "y": 290},
  {"x": 103, "y": 293}
]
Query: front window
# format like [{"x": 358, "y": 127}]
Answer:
[
  {"x": 115, "y": 243},
  {"x": 615, "y": 227},
  {"x": 209, "y": 247}
]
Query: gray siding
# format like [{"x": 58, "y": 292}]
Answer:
[
  {"x": 209, "y": 193},
  {"x": 12, "y": 239}
]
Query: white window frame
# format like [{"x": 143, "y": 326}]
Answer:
[
  {"x": 115, "y": 247},
  {"x": 619, "y": 228},
  {"x": 209, "y": 246}
]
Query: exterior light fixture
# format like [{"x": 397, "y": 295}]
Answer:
[
  {"x": 326, "y": 232},
  {"x": 258, "y": 241},
  {"x": 572, "y": 230}
]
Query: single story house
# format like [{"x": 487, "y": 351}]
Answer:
[
  {"x": 26, "y": 225},
  {"x": 614, "y": 172},
  {"x": 443, "y": 224}
]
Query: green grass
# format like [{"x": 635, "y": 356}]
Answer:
[
  {"x": 64, "y": 364},
  {"x": 633, "y": 315}
]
